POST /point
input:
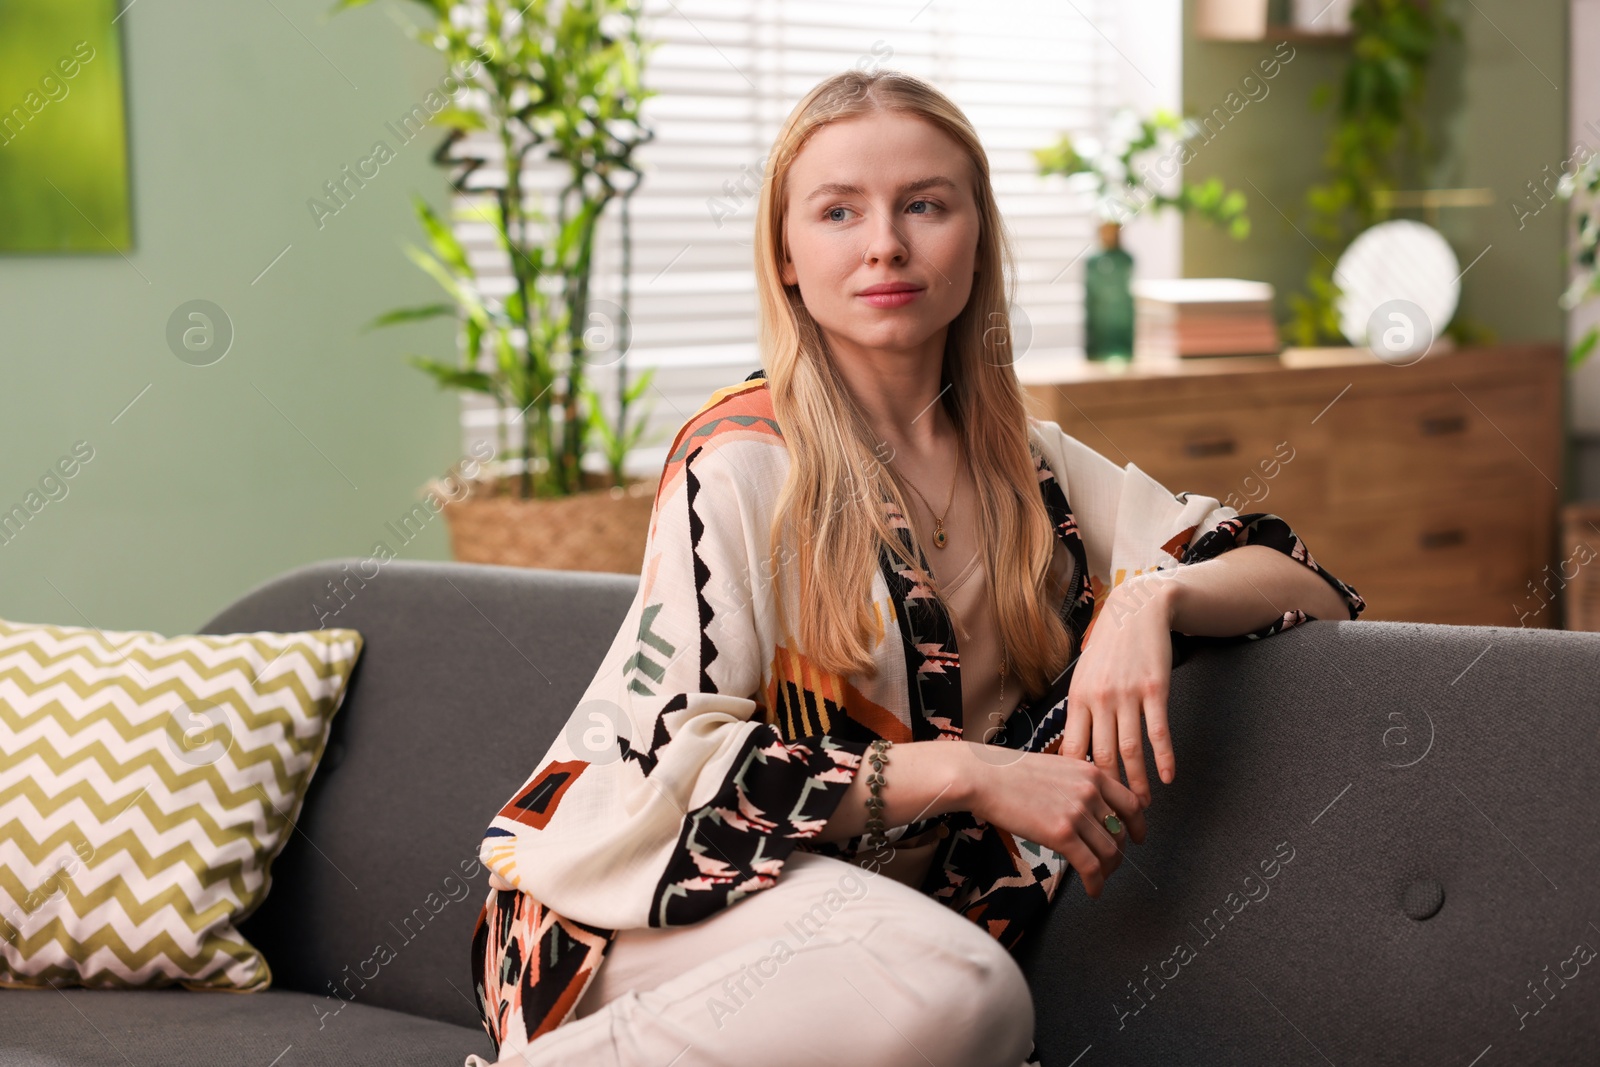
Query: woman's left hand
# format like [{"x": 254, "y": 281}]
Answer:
[{"x": 1122, "y": 676}]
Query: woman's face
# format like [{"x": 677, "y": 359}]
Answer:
[{"x": 881, "y": 198}]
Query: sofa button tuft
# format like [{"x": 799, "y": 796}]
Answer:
[{"x": 1423, "y": 899}]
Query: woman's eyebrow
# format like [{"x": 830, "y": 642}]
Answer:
[{"x": 846, "y": 189}]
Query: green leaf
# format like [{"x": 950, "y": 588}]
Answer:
[
  {"x": 458, "y": 118},
  {"x": 465, "y": 297},
  {"x": 505, "y": 356},
  {"x": 1583, "y": 348},
  {"x": 1061, "y": 158},
  {"x": 639, "y": 385},
  {"x": 1166, "y": 119},
  {"x": 450, "y": 376},
  {"x": 472, "y": 344},
  {"x": 444, "y": 242},
  {"x": 416, "y": 314},
  {"x": 575, "y": 227}
]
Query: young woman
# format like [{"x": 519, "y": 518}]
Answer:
[{"x": 869, "y": 589}]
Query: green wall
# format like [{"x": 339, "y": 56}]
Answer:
[
  {"x": 308, "y": 436},
  {"x": 1495, "y": 120}
]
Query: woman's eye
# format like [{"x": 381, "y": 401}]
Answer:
[{"x": 929, "y": 204}]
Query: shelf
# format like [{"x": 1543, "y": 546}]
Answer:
[{"x": 1283, "y": 32}]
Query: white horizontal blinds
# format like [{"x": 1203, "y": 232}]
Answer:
[{"x": 729, "y": 71}]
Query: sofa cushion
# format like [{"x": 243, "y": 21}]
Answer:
[
  {"x": 179, "y": 1028},
  {"x": 146, "y": 785}
]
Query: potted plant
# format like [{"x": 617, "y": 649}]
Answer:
[
  {"x": 559, "y": 85},
  {"x": 1121, "y": 191}
]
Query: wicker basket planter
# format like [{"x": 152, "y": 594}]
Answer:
[{"x": 593, "y": 530}]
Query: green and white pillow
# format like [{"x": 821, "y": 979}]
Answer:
[{"x": 146, "y": 785}]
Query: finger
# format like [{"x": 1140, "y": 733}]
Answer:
[
  {"x": 1125, "y": 804},
  {"x": 1105, "y": 738},
  {"x": 1075, "y": 741},
  {"x": 1130, "y": 746},
  {"x": 1155, "y": 720},
  {"x": 1106, "y": 845},
  {"x": 1086, "y": 863},
  {"x": 498, "y": 882}
]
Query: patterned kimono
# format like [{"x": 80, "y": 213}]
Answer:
[{"x": 708, "y": 745}]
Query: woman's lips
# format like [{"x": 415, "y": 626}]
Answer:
[{"x": 891, "y": 300}]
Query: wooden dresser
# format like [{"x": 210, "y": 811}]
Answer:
[{"x": 1431, "y": 488}]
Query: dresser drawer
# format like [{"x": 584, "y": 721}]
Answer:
[
  {"x": 1482, "y": 438},
  {"x": 1428, "y": 561},
  {"x": 1255, "y": 459}
]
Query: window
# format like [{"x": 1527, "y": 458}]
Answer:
[{"x": 729, "y": 71}]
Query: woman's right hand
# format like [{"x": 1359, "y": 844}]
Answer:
[{"x": 1059, "y": 802}]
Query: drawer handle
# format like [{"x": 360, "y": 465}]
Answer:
[
  {"x": 1442, "y": 538},
  {"x": 1216, "y": 446},
  {"x": 1443, "y": 424}
]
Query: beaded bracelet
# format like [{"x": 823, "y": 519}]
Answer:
[{"x": 878, "y": 757}]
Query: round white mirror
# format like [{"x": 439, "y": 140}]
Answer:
[{"x": 1399, "y": 284}]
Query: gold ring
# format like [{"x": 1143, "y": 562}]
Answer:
[{"x": 1113, "y": 824}]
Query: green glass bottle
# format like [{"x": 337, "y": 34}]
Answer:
[{"x": 1108, "y": 299}]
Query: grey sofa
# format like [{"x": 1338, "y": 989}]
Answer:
[{"x": 1380, "y": 848}]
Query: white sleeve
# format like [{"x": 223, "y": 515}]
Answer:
[{"x": 1131, "y": 524}]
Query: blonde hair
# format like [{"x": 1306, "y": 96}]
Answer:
[{"x": 831, "y": 499}]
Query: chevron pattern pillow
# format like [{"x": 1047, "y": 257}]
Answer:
[{"x": 146, "y": 785}]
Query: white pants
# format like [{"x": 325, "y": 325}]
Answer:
[{"x": 833, "y": 964}]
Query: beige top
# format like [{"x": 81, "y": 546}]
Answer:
[{"x": 984, "y": 706}]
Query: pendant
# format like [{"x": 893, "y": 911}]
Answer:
[{"x": 939, "y": 538}]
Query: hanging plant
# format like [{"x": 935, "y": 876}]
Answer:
[{"x": 1376, "y": 132}]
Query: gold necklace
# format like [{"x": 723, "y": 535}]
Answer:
[
  {"x": 1003, "y": 658},
  {"x": 939, "y": 537}
]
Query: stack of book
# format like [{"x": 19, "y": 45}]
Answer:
[{"x": 1177, "y": 318}]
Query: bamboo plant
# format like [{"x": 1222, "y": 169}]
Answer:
[{"x": 560, "y": 84}]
